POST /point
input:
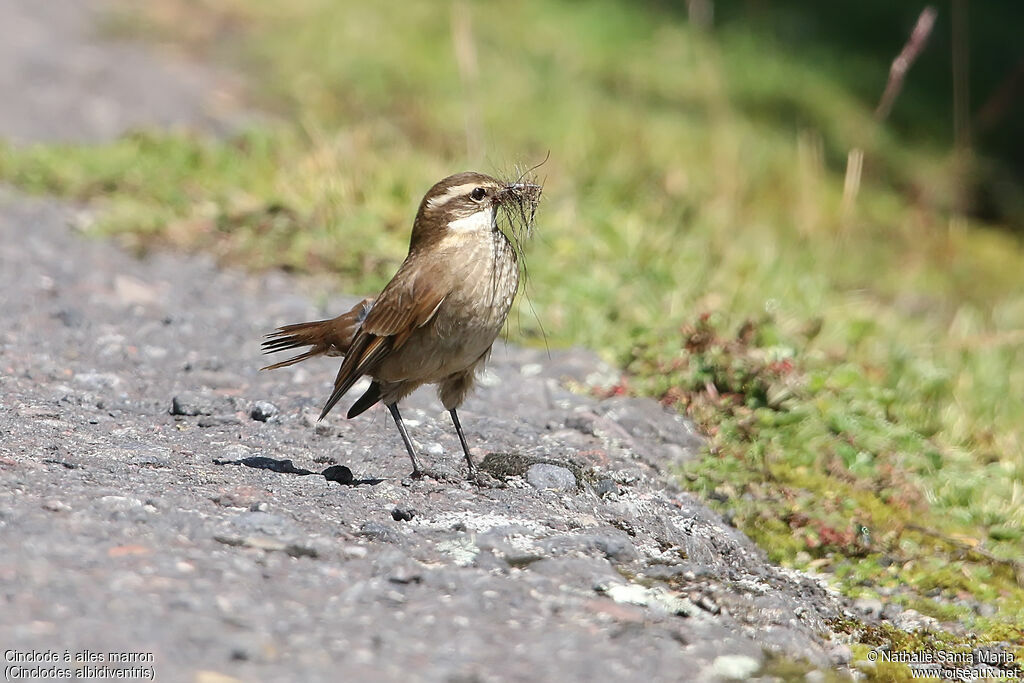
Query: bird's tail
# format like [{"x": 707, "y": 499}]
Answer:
[{"x": 324, "y": 337}]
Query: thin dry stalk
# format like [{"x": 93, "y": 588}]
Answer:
[
  {"x": 910, "y": 52},
  {"x": 851, "y": 183},
  {"x": 897, "y": 75}
]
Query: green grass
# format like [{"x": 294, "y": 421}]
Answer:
[{"x": 860, "y": 372}]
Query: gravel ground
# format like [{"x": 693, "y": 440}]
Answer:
[{"x": 161, "y": 496}]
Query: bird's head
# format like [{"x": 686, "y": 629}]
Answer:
[{"x": 468, "y": 203}]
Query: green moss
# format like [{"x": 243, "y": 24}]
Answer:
[{"x": 831, "y": 473}]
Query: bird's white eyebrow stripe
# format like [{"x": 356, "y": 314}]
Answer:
[{"x": 452, "y": 193}]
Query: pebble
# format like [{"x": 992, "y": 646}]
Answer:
[
  {"x": 155, "y": 456},
  {"x": 869, "y": 607},
  {"x": 912, "y": 620},
  {"x": 550, "y": 477},
  {"x": 734, "y": 667},
  {"x": 615, "y": 548},
  {"x": 262, "y": 411},
  {"x": 339, "y": 473},
  {"x": 519, "y": 557},
  {"x": 840, "y": 654},
  {"x": 98, "y": 381},
  {"x": 632, "y": 594},
  {"x": 708, "y": 605},
  {"x": 986, "y": 610},
  {"x": 354, "y": 552},
  {"x": 402, "y": 515},
  {"x": 191, "y": 404}
]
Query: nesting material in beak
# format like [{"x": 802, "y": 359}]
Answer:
[{"x": 517, "y": 207}]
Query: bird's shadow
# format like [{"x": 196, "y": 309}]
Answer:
[{"x": 338, "y": 473}]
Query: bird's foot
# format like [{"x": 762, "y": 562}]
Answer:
[
  {"x": 484, "y": 480},
  {"x": 442, "y": 474}
]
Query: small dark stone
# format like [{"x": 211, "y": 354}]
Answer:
[
  {"x": 606, "y": 487},
  {"x": 719, "y": 495},
  {"x": 708, "y": 605},
  {"x": 262, "y": 411},
  {"x": 70, "y": 317},
  {"x": 400, "y": 515},
  {"x": 406, "y": 575},
  {"x": 62, "y": 463},
  {"x": 617, "y": 548},
  {"x": 340, "y": 474},
  {"x": 301, "y": 550},
  {"x": 890, "y": 611}
]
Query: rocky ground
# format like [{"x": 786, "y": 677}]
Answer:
[{"x": 160, "y": 495}]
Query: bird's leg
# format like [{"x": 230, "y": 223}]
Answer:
[
  {"x": 416, "y": 471},
  {"x": 462, "y": 438}
]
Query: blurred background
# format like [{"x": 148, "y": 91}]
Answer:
[{"x": 828, "y": 279}]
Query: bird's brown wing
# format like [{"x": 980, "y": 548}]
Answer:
[{"x": 407, "y": 303}]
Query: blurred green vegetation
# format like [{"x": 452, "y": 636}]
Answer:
[
  {"x": 855, "y": 41},
  {"x": 858, "y": 365}
]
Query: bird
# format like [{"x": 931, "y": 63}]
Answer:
[{"x": 437, "y": 319}]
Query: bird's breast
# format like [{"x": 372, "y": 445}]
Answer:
[{"x": 485, "y": 277}]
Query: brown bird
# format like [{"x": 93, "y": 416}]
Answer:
[{"x": 436, "y": 321}]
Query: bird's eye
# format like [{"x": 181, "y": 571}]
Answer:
[{"x": 478, "y": 194}]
